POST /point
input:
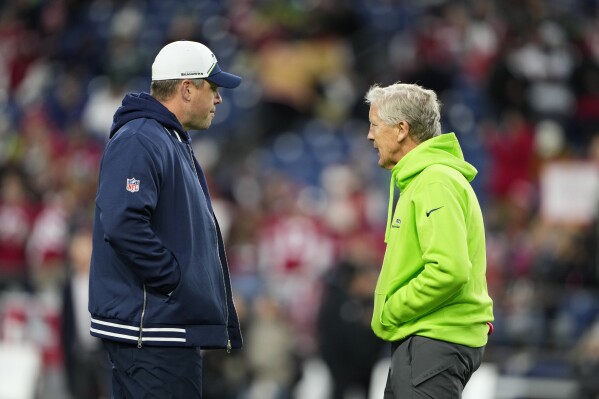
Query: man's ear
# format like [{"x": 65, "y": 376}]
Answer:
[
  {"x": 185, "y": 90},
  {"x": 403, "y": 131}
]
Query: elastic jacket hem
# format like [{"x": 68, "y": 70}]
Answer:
[{"x": 204, "y": 336}]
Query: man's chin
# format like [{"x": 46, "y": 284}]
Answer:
[
  {"x": 384, "y": 165},
  {"x": 202, "y": 126}
]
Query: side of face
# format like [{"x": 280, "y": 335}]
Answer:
[
  {"x": 386, "y": 139},
  {"x": 200, "y": 104}
]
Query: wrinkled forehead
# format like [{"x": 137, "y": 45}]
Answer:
[{"x": 373, "y": 114}]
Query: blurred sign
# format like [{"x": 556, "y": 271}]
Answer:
[
  {"x": 19, "y": 371},
  {"x": 570, "y": 192},
  {"x": 32, "y": 320}
]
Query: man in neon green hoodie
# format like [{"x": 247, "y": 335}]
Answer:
[{"x": 431, "y": 299}]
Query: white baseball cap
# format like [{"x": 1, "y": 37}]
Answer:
[{"x": 191, "y": 60}]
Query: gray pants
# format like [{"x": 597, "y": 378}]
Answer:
[{"x": 427, "y": 368}]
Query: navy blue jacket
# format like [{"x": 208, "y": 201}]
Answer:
[{"x": 159, "y": 274}]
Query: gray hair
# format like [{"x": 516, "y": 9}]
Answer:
[
  {"x": 411, "y": 103},
  {"x": 162, "y": 90}
]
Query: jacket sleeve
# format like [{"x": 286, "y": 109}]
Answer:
[
  {"x": 126, "y": 210},
  {"x": 442, "y": 236}
]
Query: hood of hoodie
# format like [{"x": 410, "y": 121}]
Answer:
[
  {"x": 440, "y": 150},
  {"x": 143, "y": 105}
]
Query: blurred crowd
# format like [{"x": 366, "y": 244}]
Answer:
[{"x": 295, "y": 181}]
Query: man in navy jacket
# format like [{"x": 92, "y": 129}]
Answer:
[{"x": 159, "y": 281}]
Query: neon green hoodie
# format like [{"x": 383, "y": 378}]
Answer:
[{"x": 433, "y": 280}]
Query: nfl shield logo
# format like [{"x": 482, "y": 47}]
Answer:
[{"x": 132, "y": 185}]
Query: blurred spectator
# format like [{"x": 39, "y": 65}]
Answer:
[
  {"x": 106, "y": 94},
  {"x": 39, "y": 149},
  {"x": 48, "y": 241},
  {"x": 314, "y": 81},
  {"x": 271, "y": 354},
  {"x": 20, "y": 45},
  {"x": 65, "y": 99},
  {"x": 17, "y": 213},
  {"x": 86, "y": 364},
  {"x": 482, "y": 37},
  {"x": 510, "y": 147},
  {"x": 294, "y": 252},
  {"x": 346, "y": 342},
  {"x": 586, "y": 361},
  {"x": 585, "y": 84},
  {"x": 227, "y": 375}
]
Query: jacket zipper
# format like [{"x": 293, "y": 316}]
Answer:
[
  {"x": 229, "y": 346},
  {"x": 141, "y": 322}
]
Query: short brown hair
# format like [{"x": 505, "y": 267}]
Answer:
[{"x": 162, "y": 90}]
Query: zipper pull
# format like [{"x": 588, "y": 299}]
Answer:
[
  {"x": 139, "y": 343},
  {"x": 229, "y": 346}
]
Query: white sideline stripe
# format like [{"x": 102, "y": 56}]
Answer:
[
  {"x": 126, "y": 327},
  {"x": 134, "y": 338}
]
